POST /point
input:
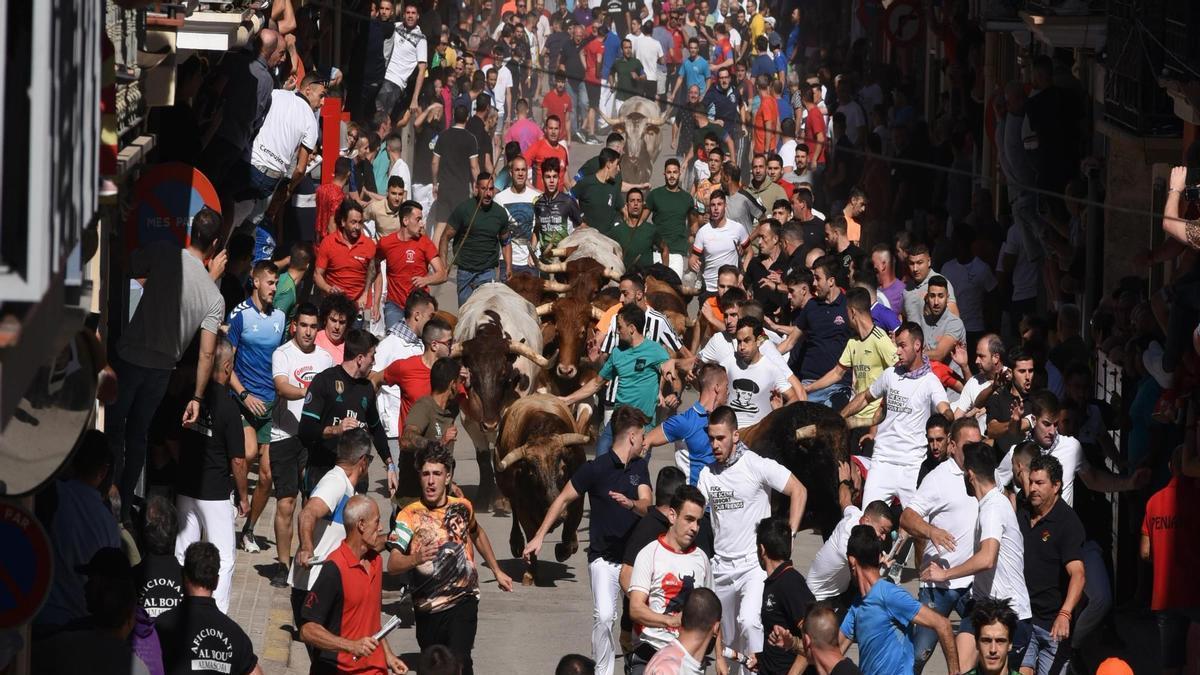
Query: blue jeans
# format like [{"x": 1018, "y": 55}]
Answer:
[
  {"x": 577, "y": 90},
  {"x": 834, "y": 396},
  {"x": 942, "y": 601},
  {"x": 392, "y": 314},
  {"x": 1045, "y": 655},
  {"x": 1097, "y": 590},
  {"x": 127, "y": 422},
  {"x": 605, "y": 442},
  {"x": 467, "y": 281}
]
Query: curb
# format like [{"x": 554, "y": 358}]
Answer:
[{"x": 277, "y": 639}]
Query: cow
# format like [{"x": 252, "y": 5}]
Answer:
[
  {"x": 640, "y": 120},
  {"x": 499, "y": 339},
  {"x": 539, "y": 448},
  {"x": 809, "y": 439}
]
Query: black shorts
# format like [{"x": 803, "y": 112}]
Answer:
[
  {"x": 593, "y": 93},
  {"x": 287, "y": 464}
]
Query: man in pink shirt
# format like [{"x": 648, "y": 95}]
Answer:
[{"x": 524, "y": 131}]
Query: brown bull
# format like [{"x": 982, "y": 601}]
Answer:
[
  {"x": 538, "y": 450},
  {"x": 534, "y": 288},
  {"x": 584, "y": 276},
  {"x": 574, "y": 325}
]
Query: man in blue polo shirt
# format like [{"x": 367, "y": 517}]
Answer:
[
  {"x": 256, "y": 328},
  {"x": 820, "y": 332},
  {"x": 689, "y": 426},
  {"x": 618, "y": 488}
]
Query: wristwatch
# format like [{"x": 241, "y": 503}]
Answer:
[{"x": 243, "y": 394}]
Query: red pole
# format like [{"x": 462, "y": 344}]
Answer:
[{"x": 331, "y": 135}]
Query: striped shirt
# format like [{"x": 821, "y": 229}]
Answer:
[{"x": 658, "y": 329}]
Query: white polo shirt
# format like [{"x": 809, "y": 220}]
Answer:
[
  {"x": 998, "y": 521},
  {"x": 1066, "y": 450},
  {"x": 901, "y": 437},
  {"x": 289, "y": 124},
  {"x": 739, "y": 497},
  {"x": 942, "y": 501},
  {"x": 829, "y": 574},
  {"x": 409, "y": 49}
]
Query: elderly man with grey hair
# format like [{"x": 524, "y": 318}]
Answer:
[
  {"x": 324, "y": 519},
  {"x": 341, "y": 613}
]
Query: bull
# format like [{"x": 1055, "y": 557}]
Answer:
[
  {"x": 809, "y": 439},
  {"x": 499, "y": 340},
  {"x": 539, "y": 448},
  {"x": 640, "y": 120},
  {"x": 534, "y": 288}
]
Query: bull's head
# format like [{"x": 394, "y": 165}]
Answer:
[
  {"x": 574, "y": 321},
  {"x": 640, "y": 120},
  {"x": 528, "y": 450},
  {"x": 490, "y": 356}
]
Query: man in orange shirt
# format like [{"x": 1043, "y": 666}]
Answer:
[
  {"x": 766, "y": 120},
  {"x": 549, "y": 146},
  {"x": 346, "y": 260}
]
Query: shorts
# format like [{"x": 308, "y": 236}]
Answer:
[
  {"x": 288, "y": 457},
  {"x": 889, "y": 481},
  {"x": 593, "y": 93},
  {"x": 261, "y": 424}
]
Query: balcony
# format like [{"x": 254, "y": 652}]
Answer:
[
  {"x": 1134, "y": 101},
  {"x": 1069, "y": 24}
]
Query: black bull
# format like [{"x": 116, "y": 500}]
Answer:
[{"x": 814, "y": 459}]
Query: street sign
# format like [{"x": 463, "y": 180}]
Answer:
[
  {"x": 903, "y": 21},
  {"x": 26, "y": 566},
  {"x": 165, "y": 199}
]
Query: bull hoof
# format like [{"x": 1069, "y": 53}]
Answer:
[
  {"x": 564, "y": 550},
  {"x": 527, "y": 579}
]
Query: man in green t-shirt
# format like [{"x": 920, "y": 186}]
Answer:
[
  {"x": 637, "y": 234},
  {"x": 479, "y": 229},
  {"x": 599, "y": 195},
  {"x": 299, "y": 259},
  {"x": 1000, "y": 638},
  {"x": 627, "y": 73},
  {"x": 670, "y": 206}
]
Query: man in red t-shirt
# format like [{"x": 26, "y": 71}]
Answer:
[
  {"x": 329, "y": 198},
  {"x": 557, "y": 101},
  {"x": 815, "y": 135},
  {"x": 766, "y": 119},
  {"x": 345, "y": 259},
  {"x": 549, "y": 146},
  {"x": 412, "y": 374},
  {"x": 412, "y": 259},
  {"x": 1169, "y": 543},
  {"x": 593, "y": 56}
]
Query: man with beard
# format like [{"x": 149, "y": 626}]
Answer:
[
  {"x": 671, "y": 207},
  {"x": 478, "y": 255},
  {"x": 912, "y": 391},
  {"x": 405, "y": 69},
  {"x": 765, "y": 190},
  {"x": 920, "y": 268},
  {"x": 665, "y": 572},
  {"x": 718, "y": 243},
  {"x": 943, "y": 330},
  {"x": 764, "y": 274},
  {"x": 637, "y": 234},
  {"x": 555, "y": 213},
  {"x": 519, "y": 199},
  {"x": 754, "y": 380},
  {"x": 255, "y": 329},
  {"x": 409, "y": 254},
  {"x": 989, "y": 360},
  {"x": 821, "y": 330},
  {"x": 346, "y": 260},
  {"x": 738, "y": 487},
  {"x": 436, "y": 537},
  {"x": 786, "y": 597},
  {"x": 1004, "y": 401}
]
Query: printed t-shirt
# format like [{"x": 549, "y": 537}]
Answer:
[
  {"x": 1170, "y": 524},
  {"x": 637, "y": 372},
  {"x": 255, "y": 335},
  {"x": 451, "y": 576},
  {"x": 901, "y": 436},
  {"x": 540, "y": 152},
  {"x": 867, "y": 359},
  {"x": 405, "y": 260},
  {"x": 751, "y": 387},
  {"x": 520, "y": 210},
  {"x": 667, "y": 576},
  {"x": 739, "y": 497},
  {"x": 300, "y": 369},
  {"x": 346, "y": 263}
]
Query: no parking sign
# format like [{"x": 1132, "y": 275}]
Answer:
[
  {"x": 165, "y": 199},
  {"x": 25, "y": 566}
]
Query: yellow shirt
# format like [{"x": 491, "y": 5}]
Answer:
[
  {"x": 758, "y": 26},
  {"x": 867, "y": 359}
]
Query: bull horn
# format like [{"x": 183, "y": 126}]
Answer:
[
  {"x": 612, "y": 121},
  {"x": 689, "y": 291},
  {"x": 612, "y": 273},
  {"x": 456, "y": 350},
  {"x": 511, "y": 458},
  {"x": 859, "y": 422},
  {"x": 597, "y": 313},
  {"x": 661, "y": 121},
  {"x": 574, "y": 439},
  {"x": 522, "y": 349},
  {"x": 543, "y": 310},
  {"x": 806, "y": 432},
  {"x": 555, "y": 287},
  {"x": 552, "y": 267},
  {"x": 557, "y": 252},
  {"x": 689, "y": 322}
]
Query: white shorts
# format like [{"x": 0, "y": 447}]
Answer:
[
  {"x": 887, "y": 481},
  {"x": 674, "y": 261}
]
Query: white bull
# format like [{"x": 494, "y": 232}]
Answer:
[
  {"x": 520, "y": 323},
  {"x": 587, "y": 242},
  {"x": 640, "y": 121}
]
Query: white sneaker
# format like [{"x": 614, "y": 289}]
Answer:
[{"x": 249, "y": 543}]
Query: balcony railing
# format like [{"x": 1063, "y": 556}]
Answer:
[{"x": 1134, "y": 58}]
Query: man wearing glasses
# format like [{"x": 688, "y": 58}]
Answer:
[{"x": 412, "y": 374}]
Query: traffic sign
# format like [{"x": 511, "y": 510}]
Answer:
[
  {"x": 26, "y": 566},
  {"x": 903, "y": 21},
  {"x": 165, "y": 199}
]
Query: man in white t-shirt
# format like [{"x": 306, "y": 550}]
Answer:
[
  {"x": 405, "y": 69},
  {"x": 321, "y": 518},
  {"x": 280, "y": 151},
  {"x": 665, "y": 572},
  {"x": 912, "y": 392},
  {"x": 719, "y": 242},
  {"x": 989, "y": 359},
  {"x": 738, "y": 487},
  {"x": 722, "y": 346},
  {"x": 943, "y": 514},
  {"x": 294, "y": 364},
  {"x": 829, "y": 575},
  {"x": 650, "y": 52},
  {"x": 754, "y": 380},
  {"x": 518, "y": 198},
  {"x": 997, "y": 566},
  {"x": 971, "y": 278}
]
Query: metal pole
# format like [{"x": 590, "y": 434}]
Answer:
[{"x": 1094, "y": 275}]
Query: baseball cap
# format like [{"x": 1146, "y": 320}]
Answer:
[
  {"x": 1114, "y": 666},
  {"x": 110, "y": 563}
]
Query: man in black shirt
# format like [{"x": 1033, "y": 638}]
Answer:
[
  {"x": 812, "y": 226},
  {"x": 1054, "y": 572},
  {"x": 212, "y": 463},
  {"x": 786, "y": 597},
  {"x": 475, "y": 125},
  {"x": 618, "y": 489},
  {"x": 455, "y": 165},
  {"x": 338, "y": 399},
  {"x": 159, "y": 574},
  {"x": 197, "y": 637},
  {"x": 1005, "y": 401}
]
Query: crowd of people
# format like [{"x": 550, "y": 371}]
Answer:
[{"x": 839, "y": 254}]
